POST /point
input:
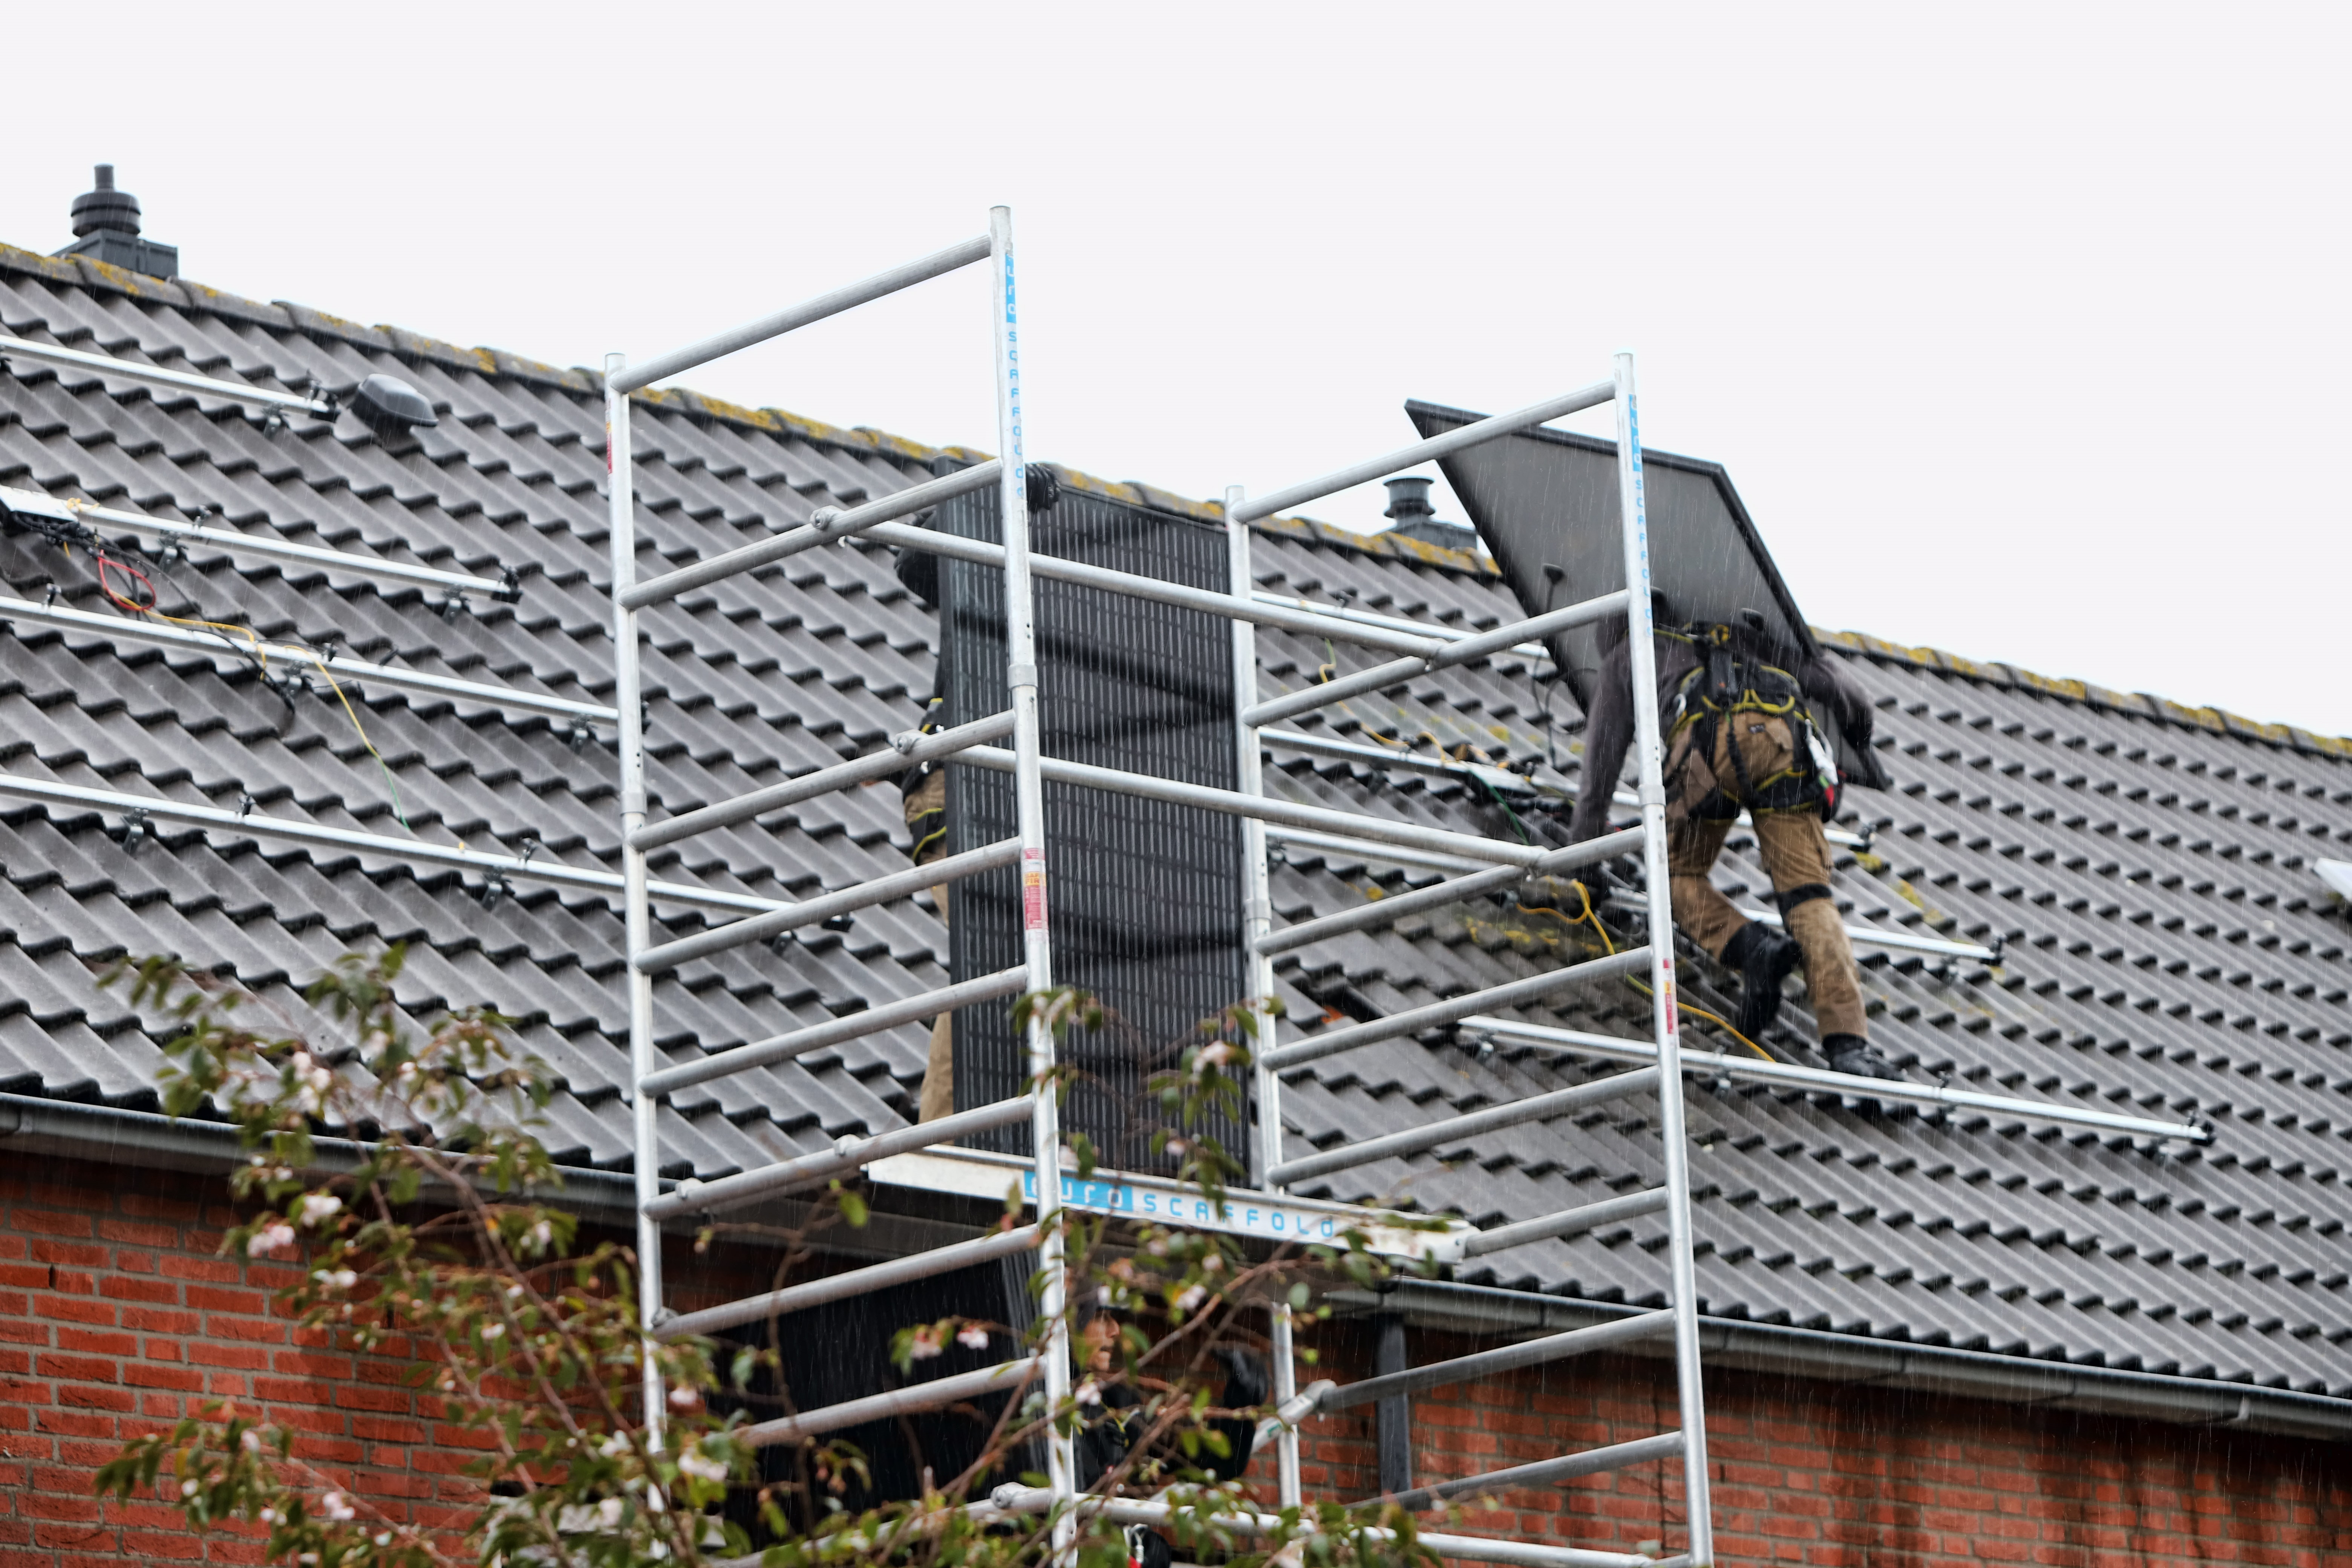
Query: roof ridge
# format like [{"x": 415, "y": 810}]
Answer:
[
  {"x": 2146, "y": 704},
  {"x": 100, "y": 278}
]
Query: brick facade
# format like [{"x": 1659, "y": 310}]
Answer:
[{"x": 115, "y": 1312}]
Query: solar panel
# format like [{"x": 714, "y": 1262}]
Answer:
[{"x": 1144, "y": 898}]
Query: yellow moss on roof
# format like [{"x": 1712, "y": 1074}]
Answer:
[{"x": 2215, "y": 721}]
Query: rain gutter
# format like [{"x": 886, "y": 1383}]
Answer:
[{"x": 1770, "y": 1349}]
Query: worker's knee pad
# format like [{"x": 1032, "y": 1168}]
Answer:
[{"x": 1791, "y": 901}]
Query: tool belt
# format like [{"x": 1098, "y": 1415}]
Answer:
[{"x": 1739, "y": 738}]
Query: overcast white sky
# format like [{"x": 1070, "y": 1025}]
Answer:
[{"x": 2022, "y": 330}]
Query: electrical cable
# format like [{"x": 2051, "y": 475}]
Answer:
[
  {"x": 65, "y": 535},
  {"x": 1588, "y": 917}
]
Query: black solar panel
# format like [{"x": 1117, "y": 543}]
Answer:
[{"x": 1144, "y": 898}]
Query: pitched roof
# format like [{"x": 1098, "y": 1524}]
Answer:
[{"x": 2166, "y": 945}]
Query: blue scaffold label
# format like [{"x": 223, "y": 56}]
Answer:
[{"x": 1273, "y": 1221}]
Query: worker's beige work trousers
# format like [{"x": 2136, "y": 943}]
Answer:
[
  {"x": 938, "y": 1097},
  {"x": 1796, "y": 855}
]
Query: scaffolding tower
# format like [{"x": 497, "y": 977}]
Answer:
[{"x": 1417, "y": 651}]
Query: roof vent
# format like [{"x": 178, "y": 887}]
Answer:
[
  {"x": 106, "y": 228},
  {"x": 390, "y": 406},
  {"x": 1416, "y": 519}
]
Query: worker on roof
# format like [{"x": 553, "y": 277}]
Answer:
[
  {"x": 1740, "y": 737},
  {"x": 923, "y": 793}
]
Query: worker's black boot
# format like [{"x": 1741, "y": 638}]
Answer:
[
  {"x": 1763, "y": 957},
  {"x": 1852, "y": 1054}
]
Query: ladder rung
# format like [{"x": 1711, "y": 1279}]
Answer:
[
  {"x": 1158, "y": 590},
  {"x": 862, "y": 895},
  {"x": 1568, "y": 1222},
  {"x": 1235, "y": 803},
  {"x": 856, "y": 1282},
  {"x": 1387, "y": 911},
  {"x": 1008, "y": 1377},
  {"x": 1483, "y": 646},
  {"x": 1509, "y": 1358},
  {"x": 834, "y": 1031},
  {"x": 776, "y": 547},
  {"x": 865, "y": 290},
  {"x": 1016, "y": 1498},
  {"x": 896, "y": 758},
  {"x": 1427, "y": 451},
  {"x": 1516, "y": 992},
  {"x": 849, "y": 1154},
  {"x": 1542, "y": 1473},
  {"x": 1412, "y": 1141}
]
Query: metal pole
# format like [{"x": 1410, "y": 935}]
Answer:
[
  {"x": 1257, "y": 920},
  {"x": 636, "y": 914},
  {"x": 1029, "y": 792},
  {"x": 1650, "y": 792}
]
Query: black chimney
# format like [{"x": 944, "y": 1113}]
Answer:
[
  {"x": 1416, "y": 519},
  {"x": 106, "y": 228}
]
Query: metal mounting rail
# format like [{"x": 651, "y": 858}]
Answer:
[
  {"x": 1428, "y": 451},
  {"x": 663, "y": 366},
  {"x": 1453, "y": 1129},
  {"x": 854, "y": 1282},
  {"x": 1469, "y": 650},
  {"x": 1568, "y": 1222},
  {"x": 309, "y": 404},
  {"x": 935, "y": 1394},
  {"x": 1388, "y": 910},
  {"x": 1236, "y": 802},
  {"x": 813, "y": 912},
  {"x": 194, "y": 535},
  {"x": 1512, "y": 993},
  {"x": 1464, "y": 866},
  {"x": 1499, "y": 779},
  {"x": 347, "y": 670},
  {"x": 403, "y": 851},
  {"x": 1502, "y": 780},
  {"x": 848, "y": 1155},
  {"x": 838, "y": 1031},
  {"x": 1785, "y": 1075},
  {"x": 1542, "y": 1473},
  {"x": 904, "y": 750},
  {"x": 829, "y": 526}
]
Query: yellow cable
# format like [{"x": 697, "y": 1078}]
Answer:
[
  {"x": 390, "y": 783},
  {"x": 1588, "y": 917}
]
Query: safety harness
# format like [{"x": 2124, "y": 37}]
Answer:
[{"x": 1728, "y": 682}]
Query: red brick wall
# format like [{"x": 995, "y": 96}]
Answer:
[
  {"x": 1814, "y": 1473},
  {"x": 115, "y": 1312}
]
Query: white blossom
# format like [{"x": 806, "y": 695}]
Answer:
[
  {"x": 272, "y": 1238},
  {"x": 972, "y": 1336},
  {"x": 320, "y": 1207},
  {"x": 338, "y": 1507},
  {"x": 701, "y": 1465}
]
